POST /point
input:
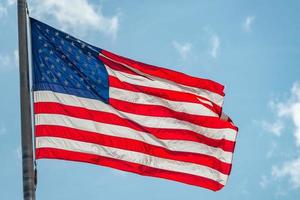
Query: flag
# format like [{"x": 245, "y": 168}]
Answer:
[{"x": 93, "y": 106}]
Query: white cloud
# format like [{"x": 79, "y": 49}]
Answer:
[
  {"x": 5, "y": 6},
  {"x": 274, "y": 128},
  {"x": 3, "y": 10},
  {"x": 4, "y": 60},
  {"x": 264, "y": 181},
  {"x": 290, "y": 109},
  {"x": 183, "y": 49},
  {"x": 3, "y": 129},
  {"x": 11, "y": 2},
  {"x": 18, "y": 152},
  {"x": 272, "y": 150},
  {"x": 16, "y": 57},
  {"x": 280, "y": 192},
  {"x": 9, "y": 61},
  {"x": 289, "y": 169},
  {"x": 287, "y": 111},
  {"x": 247, "y": 25},
  {"x": 215, "y": 45},
  {"x": 214, "y": 42},
  {"x": 80, "y": 16}
]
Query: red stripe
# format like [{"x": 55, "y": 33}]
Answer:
[
  {"x": 171, "y": 75},
  {"x": 52, "y": 153},
  {"x": 109, "y": 118},
  {"x": 165, "y": 94},
  {"x": 118, "y": 67},
  {"x": 160, "y": 111},
  {"x": 132, "y": 145}
]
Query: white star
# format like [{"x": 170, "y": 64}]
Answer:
[{"x": 56, "y": 33}]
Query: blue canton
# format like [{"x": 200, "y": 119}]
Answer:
[{"x": 62, "y": 63}]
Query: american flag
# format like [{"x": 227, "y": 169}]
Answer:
[{"x": 93, "y": 106}]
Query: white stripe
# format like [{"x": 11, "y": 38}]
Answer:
[
  {"x": 149, "y": 121},
  {"x": 171, "y": 123},
  {"x": 131, "y": 156},
  {"x": 155, "y": 82},
  {"x": 142, "y": 98},
  {"x": 125, "y": 132}
]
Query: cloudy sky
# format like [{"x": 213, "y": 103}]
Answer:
[{"x": 252, "y": 47}]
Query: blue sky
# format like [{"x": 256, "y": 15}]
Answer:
[{"x": 252, "y": 47}]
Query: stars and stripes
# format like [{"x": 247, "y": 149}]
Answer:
[{"x": 93, "y": 106}]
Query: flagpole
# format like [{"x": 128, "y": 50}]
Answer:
[{"x": 26, "y": 122}]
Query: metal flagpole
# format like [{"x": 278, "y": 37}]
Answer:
[{"x": 26, "y": 122}]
